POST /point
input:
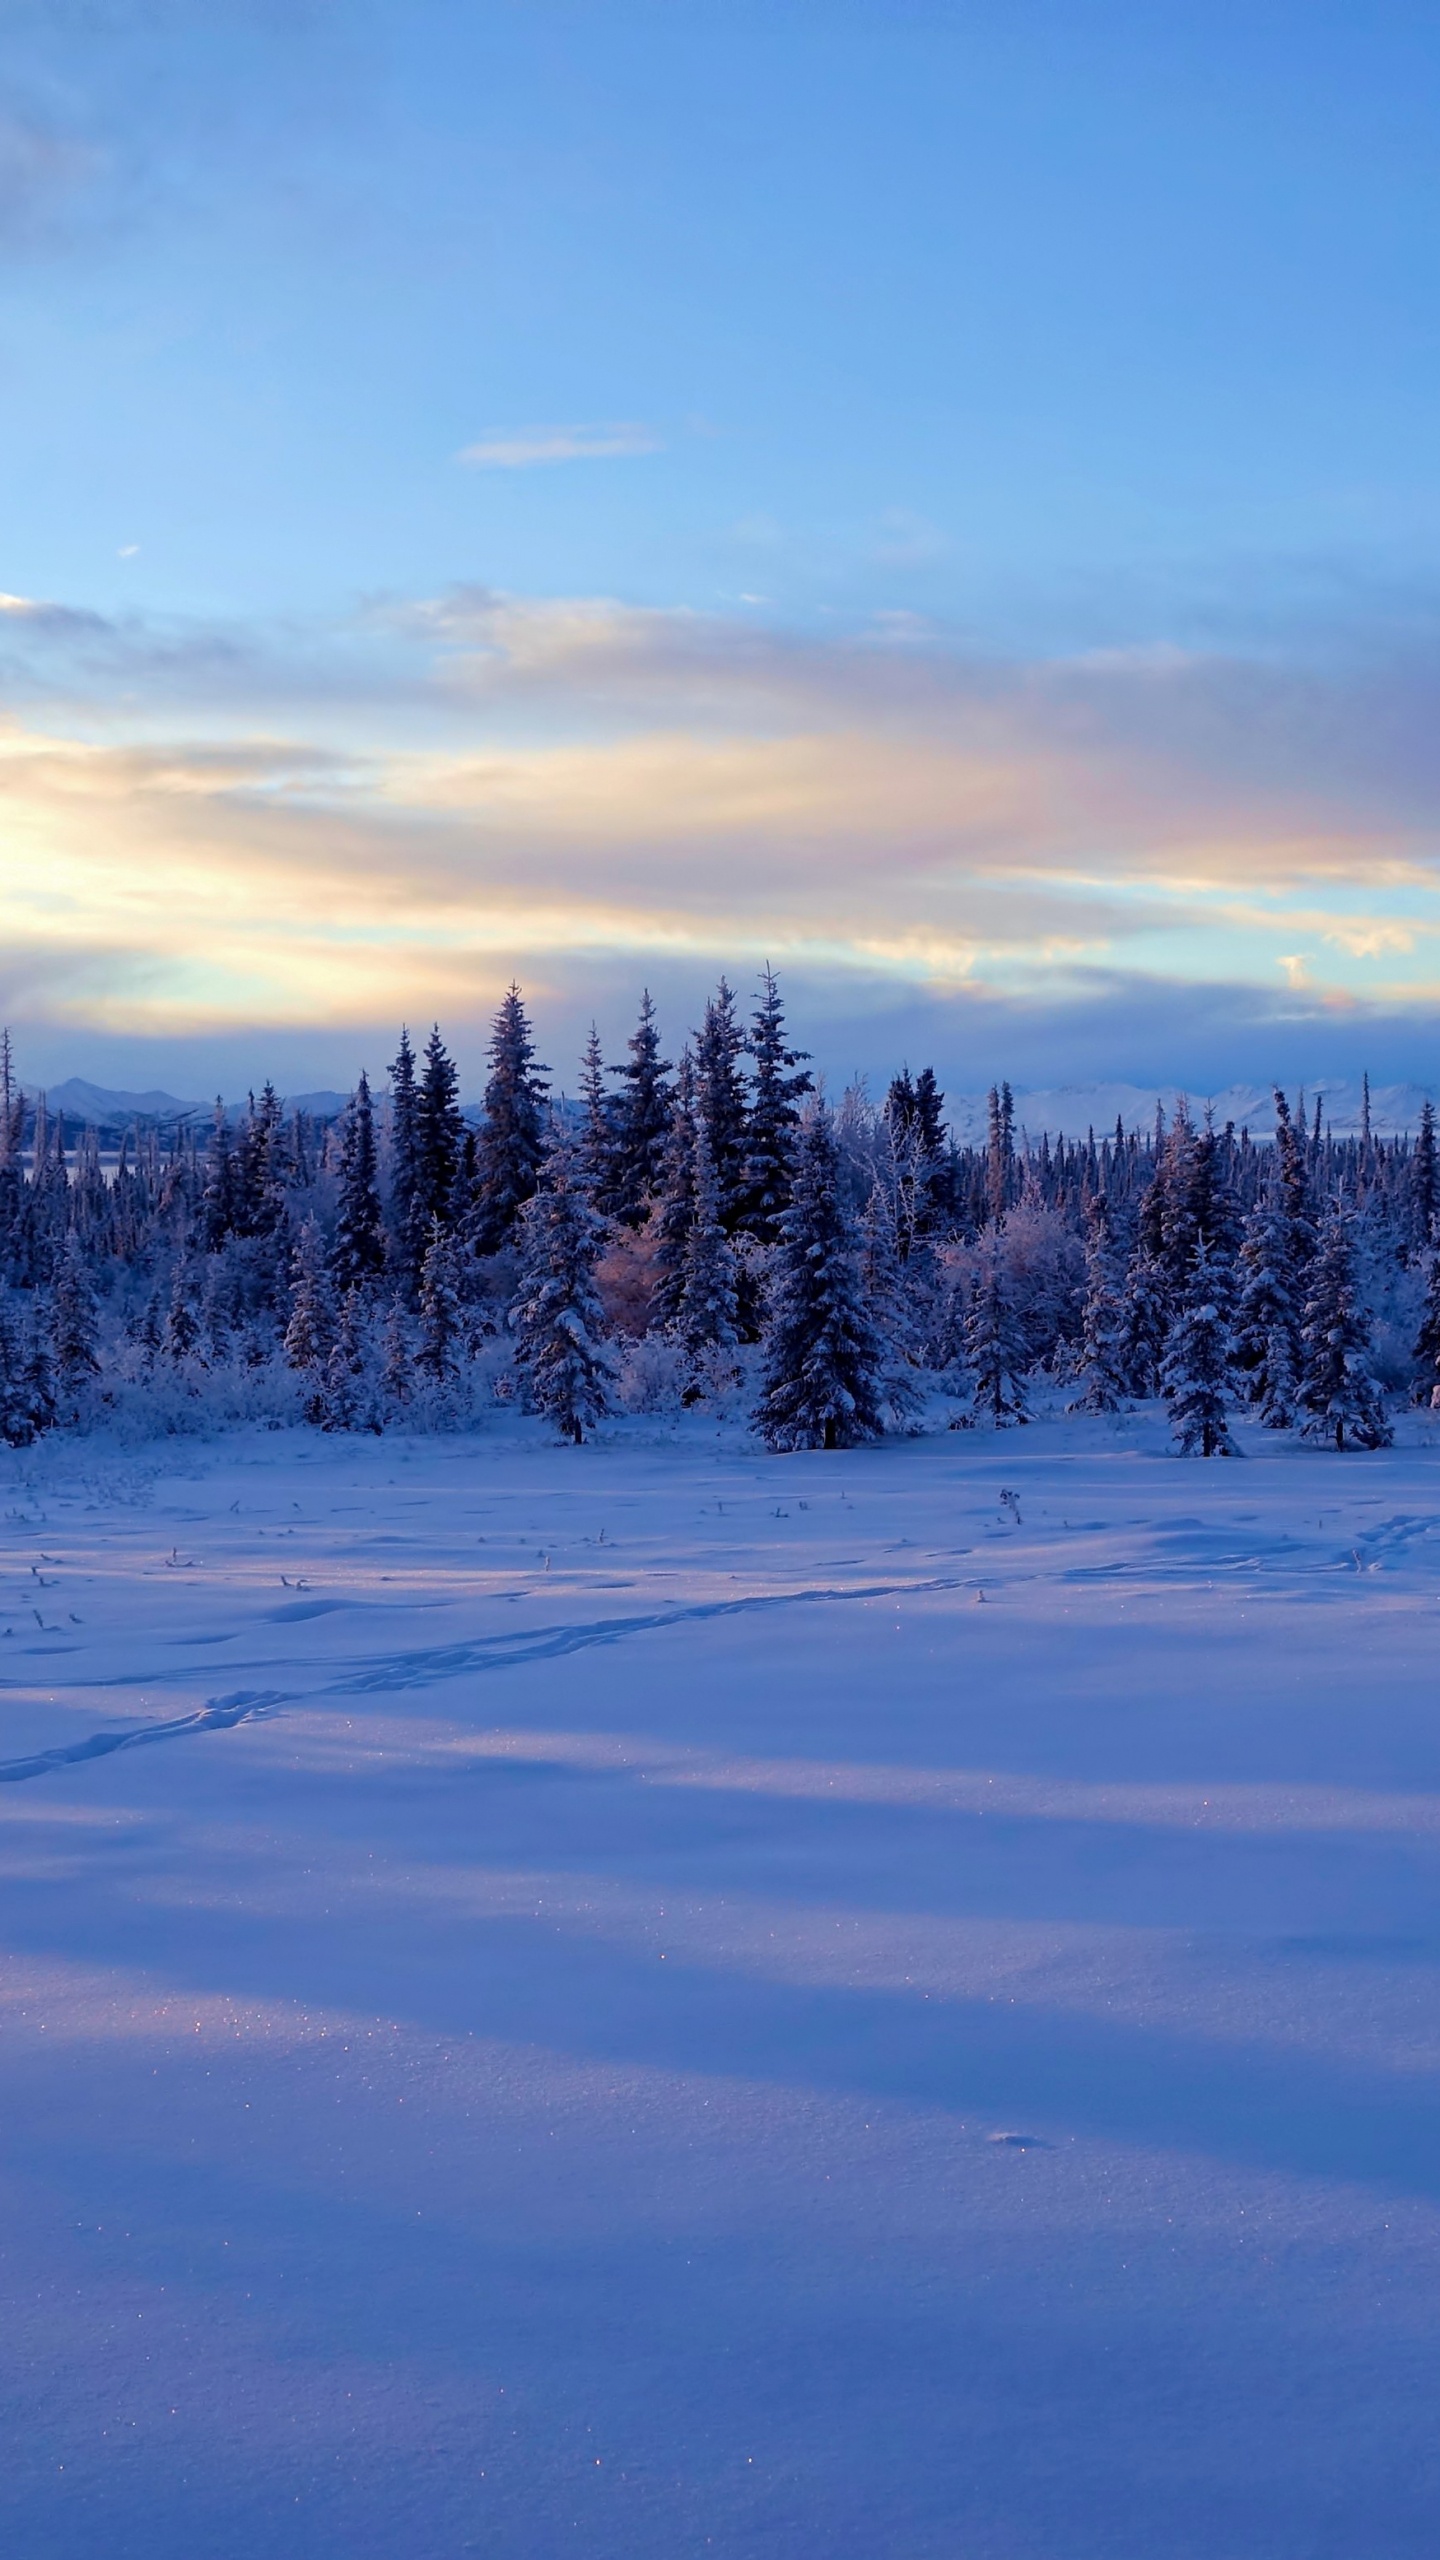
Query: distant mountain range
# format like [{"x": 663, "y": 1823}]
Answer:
[
  {"x": 1070, "y": 1110},
  {"x": 1067, "y": 1110},
  {"x": 103, "y": 1107}
]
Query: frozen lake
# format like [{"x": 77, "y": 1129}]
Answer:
[{"x": 654, "y": 2000}]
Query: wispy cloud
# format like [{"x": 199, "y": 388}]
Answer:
[
  {"x": 524, "y": 448},
  {"x": 320, "y": 826}
]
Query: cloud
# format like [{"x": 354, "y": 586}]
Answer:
[
  {"x": 312, "y": 826},
  {"x": 523, "y": 448}
]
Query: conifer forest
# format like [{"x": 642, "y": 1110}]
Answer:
[{"x": 710, "y": 1231}]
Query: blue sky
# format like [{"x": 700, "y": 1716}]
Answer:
[{"x": 943, "y": 497}]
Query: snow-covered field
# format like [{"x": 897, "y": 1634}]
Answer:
[{"x": 681, "y": 2002}]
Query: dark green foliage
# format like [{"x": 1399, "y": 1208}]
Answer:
[
  {"x": 511, "y": 1144},
  {"x": 824, "y": 1360}
]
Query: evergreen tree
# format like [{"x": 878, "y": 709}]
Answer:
[
  {"x": 1000, "y": 1153},
  {"x": 439, "y": 1136},
  {"x": 706, "y": 1322},
  {"x": 442, "y": 1328},
  {"x": 397, "y": 1368},
  {"x": 1427, "y": 1340},
  {"x": 357, "y": 1255},
  {"x": 720, "y": 1100},
  {"x": 310, "y": 1333},
  {"x": 1267, "y": 1332},
  {"x": 824, "y": 1361},
  {"x": 74, "y": 1323},
  {"x": 674, "y": 1213},
  {"x": 345, "y": 1400},
  {"x": 182, "y": 1331},
  {"x": 511, "y": 1144},
  {"x": 1195, "y": 1376},
  {"x": 218, "y": 1199},
  {"x": 1101, "y": 1364},
  {"x": 557, "y": 1316},
  {"x": 774, "y": 1117},
  {"x": 995, "y": 1345},
  {"x": 597, "y": 1128},
  {"x": 890, "y": 1304},
  {"x": 1339, "y": 1398},
  {"x": 23, "y": 1413},
  {"x": 405, "y": 1240},
  {"x": 261, "y": 1168},
  {"x": 641, "y": 1126},
  {"x": 1424, "y": 1181}
]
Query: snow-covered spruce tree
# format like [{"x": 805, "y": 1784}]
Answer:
[
  {"x": 640, "y": 1126},
  {"x": 995, "y": 1346},
  {"x": 439, "y": 1136},
  {"x": 310, "y": 1333},
  {"x": 357, "y": 1253},
  {"x": 27, "y": 1398},
  {"x": 706, "y": 1322},
  {"x": 890, "y": 1303},
  {"x": 345, "y": 1396},
  {"x": 74, "y": 1327},
  {"x": 776, "y": 1095},
  {"x": 1144, "y": 1321},
  {"x": 1267, "y": 1323},
  {"x": 597, "y": 1125},
  {"x": 1424, "y": 1182},
  {"x": 824, "y": 1360},
  {"x": 511, "y": 1143},
  {"x": 405, "y": 1235},
  {"x": 556, "y": 1316},
  {"x": 397, "y": 1366},
  {"x": 181, "y": 1338},
  {"x": 1339, "y": 1399},
  {"x": 674, "y": 1209},
  {"x": 1195, "y": 1373},
  {"x": 440, "y": 1347},
  {"x": 1100, "y": 1362},
  {"x": 720, "y": 1100},
  {"x": 1427, "y": 1340}
]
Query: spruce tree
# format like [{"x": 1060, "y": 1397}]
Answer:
[
  {"x": 720, "y": 1100},
  {"x": 441, "y": 1342},
  {"x": 557, "y": 1317},
  {"x": 1101, "y": 1364},
  {"x": 74, "y": 1324},
  {"x": 1195, "y": 1375},
  {"x": 397, "y": 1367},
  {"x": 642, "y": 1113},
  {"x": 674, "y": 1212},
  {"x": 439, "y": 1136},
  {"x": 405, "y": 1235},
  {"x": 1424, "y": 1181},
  {"x": 218, "y": 1199},
  {"x": 182, "y": 1330},
  {"x": 824, "y": 1361},
  {"x": 597, "y": 1127},
  {"x": 19, "y": 1420},
  {"x": 1427, "y": 1340},
  {"x": 357, "y": 1254},
  {"x": 995, "y": 1346},
  {"x": 1267, "y": 1325},
  {"x": 706, "y": 1321},
  {"x": 345, "y": 1401},
  {"x": 1338, "y": 1397},
  {"x": 776, "y": 1093},
  {"x": 511, "y": 1143},
  {"x": 310, "y": 1333}
]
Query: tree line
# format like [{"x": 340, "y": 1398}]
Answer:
[{"x": 705, "y": 1229}]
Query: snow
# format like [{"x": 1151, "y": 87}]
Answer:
[{"x": 684, "y": 2001}]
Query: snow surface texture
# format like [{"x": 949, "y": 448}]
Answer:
[{"x": 649, "y": 2000}]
